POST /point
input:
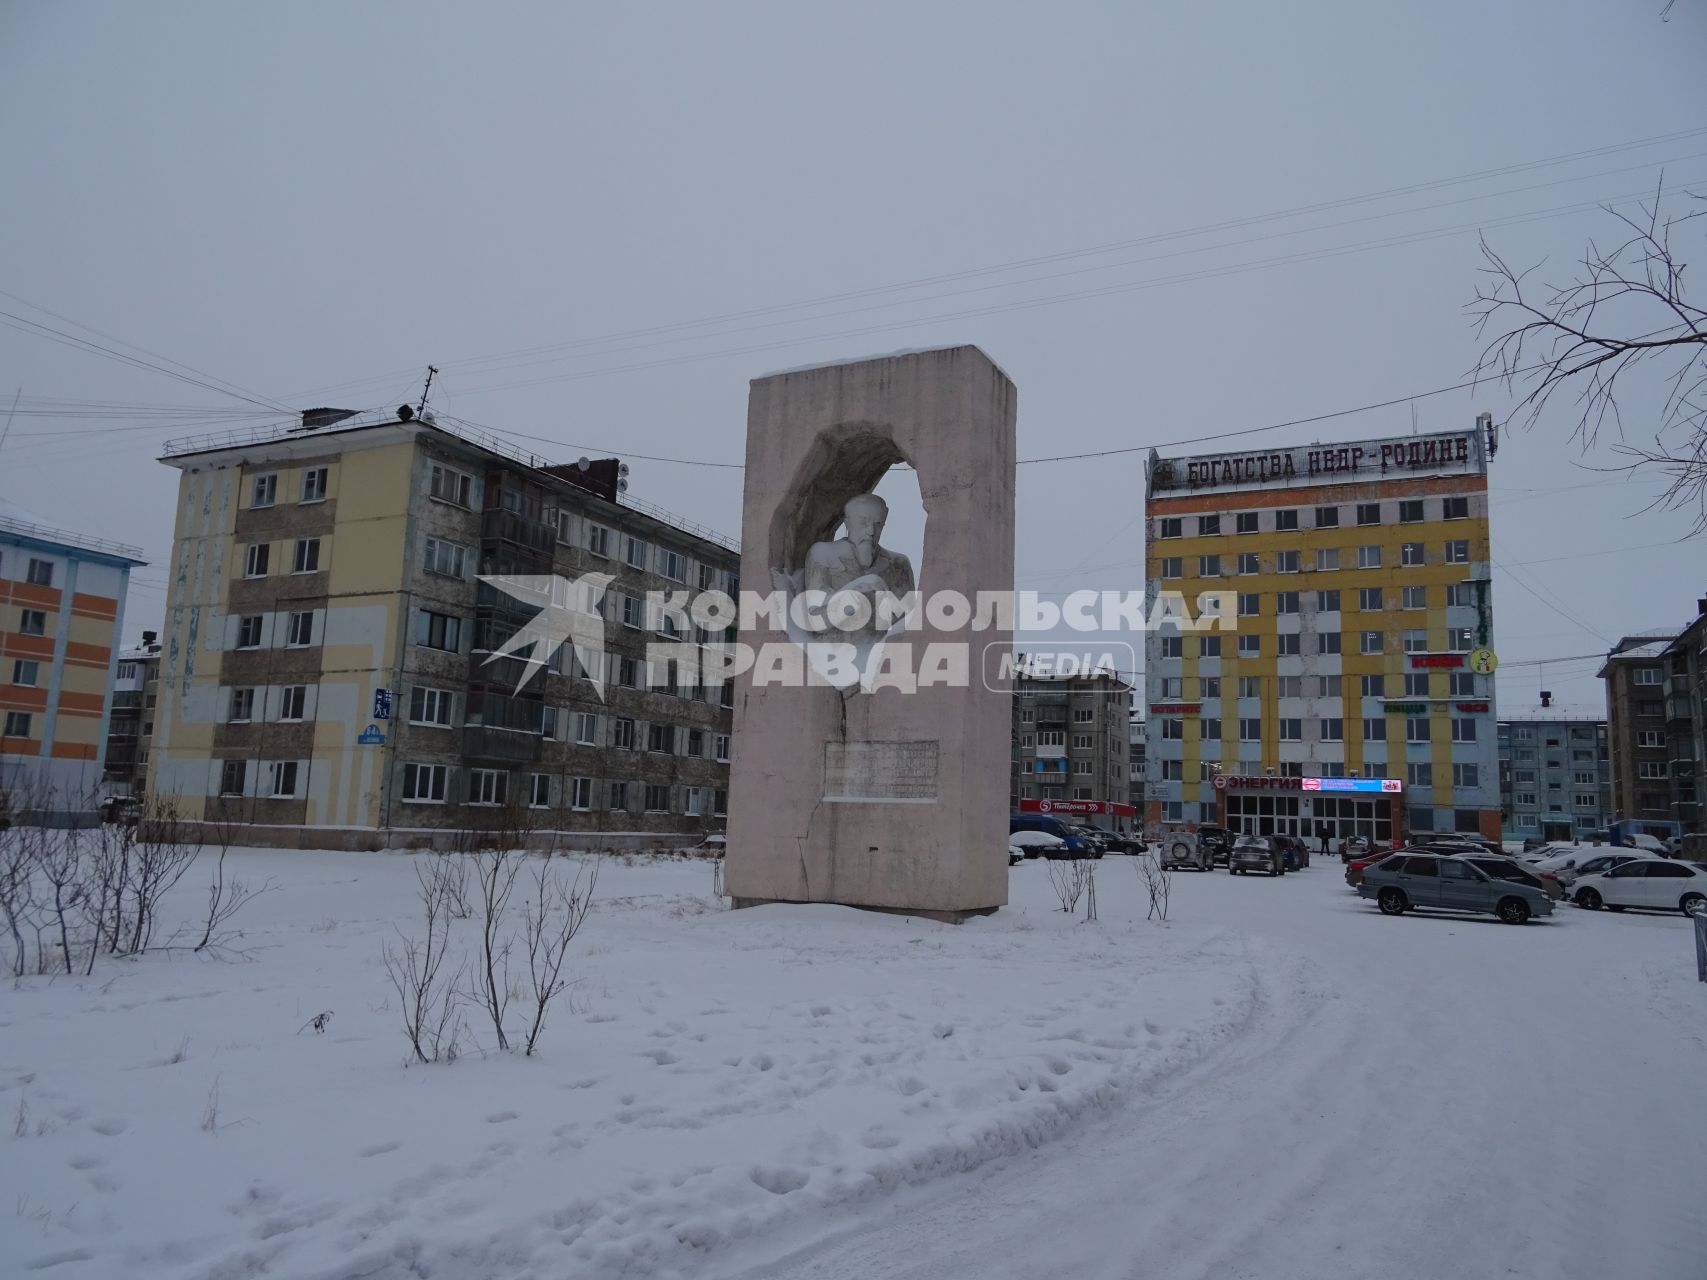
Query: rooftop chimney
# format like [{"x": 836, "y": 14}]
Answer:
[{"x": 148, "y": 638}]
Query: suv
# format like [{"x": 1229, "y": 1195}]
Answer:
[
  {"x": 1295, "y": 850},
  {"x": 1401, "y": 882},
  {"x": 1180, "y": 850},
  {"x": 1218, "y": 840},
  {"x": 1255, "y": 853}
]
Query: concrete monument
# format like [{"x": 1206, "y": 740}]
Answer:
[{"x": 873, "y": 772}]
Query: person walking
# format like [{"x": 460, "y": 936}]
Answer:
[{"x": 1322, "y": 831}]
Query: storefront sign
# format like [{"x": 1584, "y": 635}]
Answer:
[
  {"x": 1380, "y": 785},
  {"x": 1419, "y": 660},
  {"x": 1405, "y": 708},
  {"x": 1075, "y": 808},
  {"x": 1472, "y": 706},
  {"x": 1237, "y": 782},
  {"x": 1176, "y": 708}
]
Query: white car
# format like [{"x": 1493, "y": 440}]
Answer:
[
  {"x": 1663, "y": 884},
  {"x": 1182, "y": 849},
  {"x": 1032, "y": 844}
]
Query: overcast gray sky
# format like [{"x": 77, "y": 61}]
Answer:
[{"x": 314, "y": 201}]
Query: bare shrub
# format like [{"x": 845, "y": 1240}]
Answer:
[
  {"x": 427, "y": 993},
  {"x": 550, "y": 920},
  {"x": 1158, "y": 881},
  {"x": 225, "y": 898},
  {"x": 166, "y": 847},
  {"x": 1069, "y": 878}
]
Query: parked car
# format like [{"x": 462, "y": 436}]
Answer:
[
  {"x": 1255, "y": 853},
  {"x": 1097, "y": 839},
  {"x": 1354, "y": 846},
  {"x": 1503, "y": 868},
  {"x": 1402, "y": 882},
  {"x": 1181, "y": 849},
  {"x": 1295, "y": 851},
  {"x": 124, "y": 810},
  {"x": 1357, "y": 866},
  {"x": 1049, "y": 824},
  {"x": 1037, "y": 844},
  {"x": 1660, "y": 883},
  {"x": 1532, "y": 842},
  {"x": 1218, "y": 839}
]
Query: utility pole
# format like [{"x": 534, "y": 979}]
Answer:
[{"x": 431, "y": 370}]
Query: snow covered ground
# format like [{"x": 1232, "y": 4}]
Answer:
[{"x": 1280, "y": 1082}]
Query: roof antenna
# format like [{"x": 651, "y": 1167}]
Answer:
[{"x": 431, "y": 370}]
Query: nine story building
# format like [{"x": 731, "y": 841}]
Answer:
[
  {"x": 62, "y": 600},
  {"x": 1346, "y": 696},
  {"x": 1635, "y": 676},
  {"x": 329, "y": 665},
  {"x": 1555, "y": 777}
]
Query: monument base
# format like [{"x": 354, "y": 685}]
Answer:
[{"x": 944, "y": 917}]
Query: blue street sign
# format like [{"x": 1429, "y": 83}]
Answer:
[
  {"x": 382, "y": 704},
  {"x": 371, "y": 736}
]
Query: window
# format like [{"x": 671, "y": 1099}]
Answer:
[
  {"x": 17, "y": 724},
  {"x": 264, "y": 491},
  {"x": 634, "y": 552},
  {"x": 25, "y": 672},
  {"x": 618, "y": 795},
  {"x": 1250, "y": 686},
  {"x": 1466, "y": 775},
  {"x": 720, "y": 801},
  {"x": 307, "y": 556},
  {"x": 1369, "y": 598},
  {"x": 1286, "y": 562},
  {"x": 1369, "y": 513},
  {"x": 293, "y": 702},
  {"x": 720, "y": 744},
  {"x": 1207, "y": 525},
  {"x": 622, "y": 734},
  {"x": 1250, "y": 646},
  {"x": 539, "y": 791},
  {"x": 1173, "y": 729},
  {"x": 1083, "y": 768},
  {"x": 232, "y": 774},
  {"x": 488, "y": 786},
  {"x": 1419, "y": 775},
  {"x": 1583, "y": 779},
  {"x": 627, "y": 672},
  {"x": 1290, "y": 686},
  {"x": 1369, "y": 557},
  {"x": 1209, "y": 730},
  {"x": 580, "y": 792},
  {"x": 634, "y": 612},
  {"x": 1459, "y": 640},
  {"x": 693, "y": 805},
  {"x": 255, "y": 560},
  {"x": 1245, "y": 522},
  {"x": 1331, "y": 685},
  {"x": 1415, "y": 598},
  {"x": 424, "y": 783},
  {"x": 1210, "y": 686},
  {"x": 1287, "y": 644},
  {"x": 657, "y": 797},
  {"x": 1286, "y": 602},
  {"x": 1085, "y": 715},
  {"x": 1209, "y": 566},
  {"x": 1172, "y": 770},
  {"x": 1250, "y": 731},
  {"x": 1291, "y": 730},
  {"x": 1249, "y": 564},
  {"x": 1460, "y": 593},
  {"x": 1650, "y": 738},
  {"x": 1415, "y": 640},
  {"x": 672, "y": 564},
  {"x": 660, "y": 738},
  {"x": 1461, "y": 684},
  {"x": 283, "y": 778},
  {"x": 1463, "y": 729},
  {"x": 1374, "y": 729},
  {"x": 1171, "y": 687},
  {"x": 1650, "y": 769},
  {"x": 1416, "y": 729},
  {"x": 438, "y": 631},
  {"x": 1173, "y": 647},
  {"x": 598, "y": 544},
  {"x": 1327, "y": 558},
  {"x": 1372, "y": 642},
  {"x": 430, "y": 706},
  {"x": 1374, "y": 686},
  {"x": 445, "y": 558},
  {"x": 1250, "y": 604},
  {"x": 1455, "y": 508},
  {"x": 314, "y": 484},
  {"x": 1082, "y": 741},
  {"x": 1411, "y": 554},
  {"x": 1411, "y": 512},
  {"x": 301, "y": 629},
  {"x": 1285, "y": 521},
  {"x": 1209, "y": 646},
  {"x": 1458, "y": 552},
  {"x": 1333, "y": 729},
  {"x": 1327, "y": 517},
  {"x": 1328, "y": 642},
  {"x": 1648, "y": 675},
  {"x": 249, "y": 631},
  {"x": 449, "y": 485},
  {"x": 1173, "y": 567},
  {"x": 1171, "y": 527},
  {"x": 1328, "y": 601}
]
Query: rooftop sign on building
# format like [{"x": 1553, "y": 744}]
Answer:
[{"x": 1451, "y": 453}]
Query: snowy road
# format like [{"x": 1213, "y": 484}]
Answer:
[{"x": 1414, "y": 1097}]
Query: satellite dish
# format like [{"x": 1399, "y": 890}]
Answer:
[
  {"x": 427, "y": 416},
  {"x": 405, "y": 412},
  {"x": 621, "y": 485},
  {"x": 622, "y": 468},
  {"x": 581, "y": 463}
]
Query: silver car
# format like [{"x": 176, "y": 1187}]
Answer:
[{"x": 1444, "y": 882}]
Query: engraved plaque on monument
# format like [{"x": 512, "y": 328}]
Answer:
[{"x": 880, "y": 772}]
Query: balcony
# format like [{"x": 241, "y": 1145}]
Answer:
[
  {"x": 509, "y": 746},
  {"x": 519, "y": 531}
]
